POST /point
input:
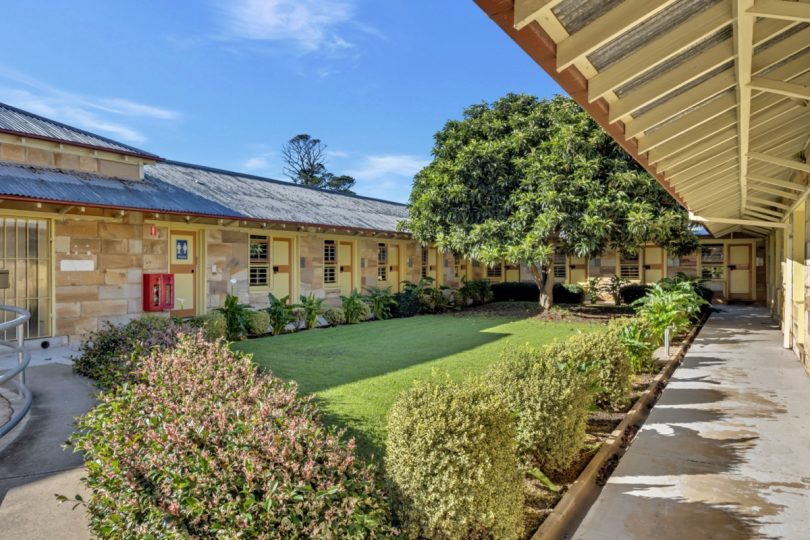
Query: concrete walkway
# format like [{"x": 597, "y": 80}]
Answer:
[
  {"x": 726, "y": 451},
  {"x": 34, "y": 466}
]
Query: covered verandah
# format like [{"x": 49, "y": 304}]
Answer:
[{"x": 725, "y": 453}]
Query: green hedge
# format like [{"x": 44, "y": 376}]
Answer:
[
  {"x": 515, "y": 290},
  {"x": 551, "y": 400},
  {"x": 452, "y": 463}
]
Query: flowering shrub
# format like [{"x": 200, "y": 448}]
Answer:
[
  {"x": 551, "y": 401},
  {"x": 452, "y": 463},
  {"x": 205, "y": 446},
  {"x": 108, "y": 355}
]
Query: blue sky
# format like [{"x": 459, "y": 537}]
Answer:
[{"x": 227, "y": 83}]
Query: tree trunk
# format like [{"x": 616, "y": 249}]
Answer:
[{"x": 545, "y": 282}]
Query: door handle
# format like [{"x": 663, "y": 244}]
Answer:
[
  {"x": 275, "y": 269},
  {"x": 732, "y": 267}
]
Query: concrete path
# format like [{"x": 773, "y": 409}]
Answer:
[
  {"x": 33, "y": 465},
  {"x": 726, "y": 451}
]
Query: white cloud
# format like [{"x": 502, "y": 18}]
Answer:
[
  {"x": 99, "y": 114},
  {"x": 309, "y": 25},
  {"x": 377, "y": 167},
  {"x": 387, "y": 176}
]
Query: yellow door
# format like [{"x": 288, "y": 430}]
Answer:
[
  {"x": 393, "y": 267},
  {"x": 512, "y": 272},
  {"x": 183, "y": 264},
  {"x": 653, "y": 264},
  {"x": 345, "y": 258},
  {"x": 739, "y": 271},
  {"x": 280, "y": 256},
  {"x": 578, "y": 270}
]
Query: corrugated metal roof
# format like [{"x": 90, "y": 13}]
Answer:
[
  {"x": 261, "y": 198},
  {"x": 24, "y": 122},
  {"x": 90, "y": 190},
  {"x": 195, "y": 190}
]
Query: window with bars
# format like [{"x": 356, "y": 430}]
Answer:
[
  {"x": 259, "y": 261},
  {"x": 494, "y": 271},
  {"x": 382, "y": 262},
  {"x": 629, "y": 268},
  {"x": 712, "y": 261},
  {"x": 425, "y": 262},
  {"x": 559, "y": 264},
  {"x": 329, "y": 262}
]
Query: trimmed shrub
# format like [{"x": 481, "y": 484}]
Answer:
[
  {"x": 205, "y": 446},
  {"x": 551, "y": 401},
  {"x": 568, "y": 293},
  {"x": 213, "y": 325},
  {"x": 452, "y": 463},
  {"x": 334, "y": 316},
  {"x": 606, "y": 359},
  {"x": 109, "y": 355},
  {"x": 407, "y": 305},
  {"x": 258, "y": 322},
  {"x": 519, "y": 291},
  {"x": 631, "y": 293}
]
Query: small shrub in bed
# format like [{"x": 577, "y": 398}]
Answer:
[
  {"x": 551, "y": 401},
  {"x": 355, "y": 308},
  {"x": 515, "y": 290},
  {"x": 475, "y": 291},
  {"x": 452, "y": 463},
  {"x": 203, "y": 445},
  {"x": 334, "y": 316},
  {"x": 568, "y": 293},
  {"x": 109, "y": 355},
  {"x": 258, "y": 322},
  {"x": 406, "y": 305},
  {"x": 606, "y": 359},
  {"x": 632, "y": 292},
  {"x": 213, "y": 325}
]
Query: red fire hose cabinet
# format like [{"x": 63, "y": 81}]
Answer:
[{"x": 158, "y": 292}]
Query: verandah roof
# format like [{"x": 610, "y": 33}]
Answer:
[{"x": 711, "y": 96}]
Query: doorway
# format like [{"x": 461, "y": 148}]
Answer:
[
  {"x": 183, "y": 262},
  {"x": 739, "y": 271}
]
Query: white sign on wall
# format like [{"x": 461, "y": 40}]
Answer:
[{"x": 77, "y": 265}]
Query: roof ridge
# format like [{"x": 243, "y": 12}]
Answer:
[
  {"x": 73, "y": 128},
  {"x": 275, "y": 181}
]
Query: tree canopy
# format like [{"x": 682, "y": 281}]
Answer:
[
  {"x": 305, "y": 163},
  {"x": 515, "y": 179}
]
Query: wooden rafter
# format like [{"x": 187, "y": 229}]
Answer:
[
  {"x": 528, "y": 11},
  {"x": 792, "y": 164},
  {"x": 779, "y": 9},
  {"x": 612, "y": 24},
  {"x": 800, "y": 91},
  {"x": 744, "y": 51}
]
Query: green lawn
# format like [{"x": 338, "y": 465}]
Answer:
[{"x": 357, "y": 371}]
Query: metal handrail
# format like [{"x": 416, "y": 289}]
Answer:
[{"x": 23, "y": 359}]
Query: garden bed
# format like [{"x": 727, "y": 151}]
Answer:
[{"x": 609, "y": 436}]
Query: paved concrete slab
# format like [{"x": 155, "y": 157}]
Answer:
[
  {"x": 33, "y": 464},
  {"x": 726, "y": 451}
]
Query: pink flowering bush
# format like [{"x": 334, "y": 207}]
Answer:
[{"x": 202, "y": 445}]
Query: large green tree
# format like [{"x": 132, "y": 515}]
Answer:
[{"x": 516, "y": 178}]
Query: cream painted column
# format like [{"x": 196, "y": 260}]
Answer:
[
  {"x": 798, "y": 271},
  {"x": 787, "y": 286}
]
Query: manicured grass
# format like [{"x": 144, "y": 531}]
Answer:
[{"x": 357, "y": 371}]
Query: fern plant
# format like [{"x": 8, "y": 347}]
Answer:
[
  {"x": 311, "y": 305},
  {"x": 236, "y": 317},
  {"x": 380, "y": 300},
  {"x": 354, "y": 308},
  {"x": 281, "y": 313}
]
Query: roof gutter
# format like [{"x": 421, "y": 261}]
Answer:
[{"x": 542, "y": 49}]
